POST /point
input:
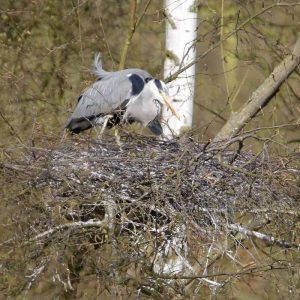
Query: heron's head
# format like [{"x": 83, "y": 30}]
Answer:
[{"x": 160, "y": 93}]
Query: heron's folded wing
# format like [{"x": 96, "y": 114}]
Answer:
[
  {"x": 100, "y": 98},
  {"x": 105, "y": 97}
]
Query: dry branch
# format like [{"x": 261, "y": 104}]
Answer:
[
  {"x": 11, "y": 128},
  {"x": 261, "y": 96},
  {"x": 75, "y": 225},
  {"x": 264, "y": 237},
  {"x": 131, "y": 30},
  {"x": 133, "y": 24}
]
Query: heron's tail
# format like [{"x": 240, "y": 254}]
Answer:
[{"x": 98, "y": 70}]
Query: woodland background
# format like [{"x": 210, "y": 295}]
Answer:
[
  {"x": 48, "y": 48},
  {"x": 46, "y": 52}
]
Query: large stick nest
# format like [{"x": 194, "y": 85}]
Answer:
[
  {"x": 159, "y": 195},
  {"x": 186, "y": 176}
]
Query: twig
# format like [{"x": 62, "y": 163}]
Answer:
[
  {"x": 104, "y": 34},
  {"x": 35, "y": 274},
  {"x": 12, "y": 130},
  {"x": 273, "y": 127},
  {"x": 75, "y": 225},
  {"x": 211, "y": 111},
  {"x": 239, "y": 87},
  {"x": 139, "y": 20},
  {"x": 254, "y": 211},
  {"x": 265, "y": 268},
  {"x": 76, "y": 7},
  {"x": 264, "y": 237}
]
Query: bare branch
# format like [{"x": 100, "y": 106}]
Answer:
[
  {"x": 265, "y": 268},
  {"x": 261, "y": 96},
  {"x": 36, "y": 273},
  {"x": 12, "y": 130},
  {"x": 130, "y": 34},
  {"x": 75, "y": 225},
  {"x": 133, "y": 24},
  {"x": 264, "y": 237}
]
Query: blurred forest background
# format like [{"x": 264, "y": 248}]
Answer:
[
  {"x": 46, "y": 54},
  {"x": 47, "y": 48}
]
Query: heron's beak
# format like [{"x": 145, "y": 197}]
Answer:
[{"x": 168, "y": 102}]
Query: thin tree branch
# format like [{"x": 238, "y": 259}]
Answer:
[
  {"x": 264, "y": 237},
  {"x": 75, "y": 225},
  {"x": 233, "y": 274},
  {"x": 139, "y": 20},
  {"x": 12, "y": 130},
  {"x": 133, "y": 24},
  {"x": 222, "y": 51},
  {"x": 238, "y": 28},
  {"x": 211, "y": 111},
  {"x": 131, "y": 30},
  {"x": 104, "y": 35},
  {"x": 261, "y": 96}
]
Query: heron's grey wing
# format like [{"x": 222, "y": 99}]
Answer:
[
  {"x": 99, "y": 99},
  {"x": 105, "y": 96}
]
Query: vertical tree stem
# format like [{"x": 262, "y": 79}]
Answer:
[
  {"x": 131, "y": 30},
  {"x": 222, "y": 52}
]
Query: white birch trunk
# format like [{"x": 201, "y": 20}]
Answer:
[{"x": 181, "y": 33}]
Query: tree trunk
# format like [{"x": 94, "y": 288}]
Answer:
[{"x": 181, "y": 33}]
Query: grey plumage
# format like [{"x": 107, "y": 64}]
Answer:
[{"x": 125, "y": 96}]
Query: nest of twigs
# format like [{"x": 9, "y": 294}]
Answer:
[
  {"x": 185, "y": 176},
  {"x": 158, "y": 205}
]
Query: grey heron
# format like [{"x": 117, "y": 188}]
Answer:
[{"x": 130, "y": 95}]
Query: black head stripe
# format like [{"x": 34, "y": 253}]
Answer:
[
  {"x": 137, "y": 84},
  {"x": 158, "y": 84},
  {"x": 148, "y": 79}
]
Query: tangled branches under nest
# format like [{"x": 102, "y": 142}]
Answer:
[{"x": 163, "y": 205}]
